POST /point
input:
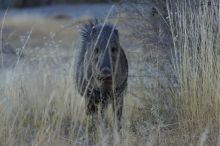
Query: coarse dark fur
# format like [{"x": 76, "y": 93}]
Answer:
[{"x": 101, "y": 69}]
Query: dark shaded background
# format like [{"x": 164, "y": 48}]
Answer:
[{"x": 34, "y": 3}]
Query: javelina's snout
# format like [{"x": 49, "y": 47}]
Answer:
[
  {"x": 105, "y": 74},
  {"x": 104, "y": 67}
]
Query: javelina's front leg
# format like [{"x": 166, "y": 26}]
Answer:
[
  {"x": 117, "y": 106},
  {"x": 104, "y": 106},
  {"x": 92, "y": 115}
]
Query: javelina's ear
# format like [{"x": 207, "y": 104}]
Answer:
[
  {"x": 154, "y": 11},
  {"x": 116, "y": 33},
  {"x": 93, "y": 30}
]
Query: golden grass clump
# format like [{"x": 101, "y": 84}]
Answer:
[{"x": 195, "y": 31}]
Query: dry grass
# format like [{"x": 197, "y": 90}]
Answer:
[
  {"x": 39, "y": 104},
  {"x": 196, "y": 55}
]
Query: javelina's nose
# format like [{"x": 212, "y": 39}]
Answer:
[
  {"x": 106, "y": 71},
  {"x": 105, "y": 74}
]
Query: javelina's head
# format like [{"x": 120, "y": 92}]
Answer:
[{"x": 103, "y": 55}]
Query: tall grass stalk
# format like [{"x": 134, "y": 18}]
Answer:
[
  {"x": 1, "y": 37},
  {"x": 195, "y": 30}
]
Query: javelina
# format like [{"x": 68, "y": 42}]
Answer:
[{"x": 102, "y": 69}]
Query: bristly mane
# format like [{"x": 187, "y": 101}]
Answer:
[{"x": 87, "y": 29}]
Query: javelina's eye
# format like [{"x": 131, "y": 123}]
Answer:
[
  {"x": 96, "y": 51},
  {"x": 114, "y": 49}
]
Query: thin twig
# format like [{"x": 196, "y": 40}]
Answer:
[
  {"x": 1, "y": 37},
  {"x": 138, "y": 11},
  {"x": 23, "y": 47}
]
